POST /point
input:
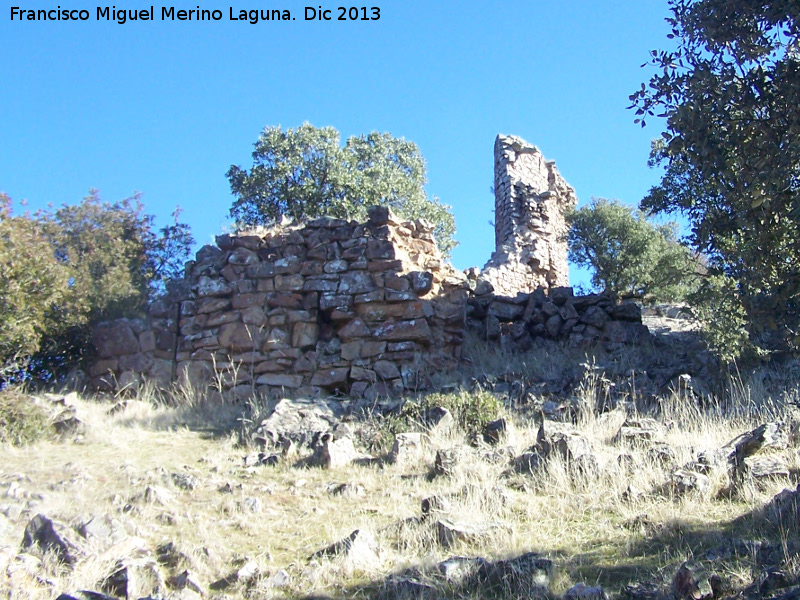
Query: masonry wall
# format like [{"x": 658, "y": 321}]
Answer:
[
  {"x": 515, "y": 322},
  {"x": 330, "y": 305},
  {"x": 531, "y": 199}
]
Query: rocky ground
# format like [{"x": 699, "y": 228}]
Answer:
[{"x": 630, "y": 477}]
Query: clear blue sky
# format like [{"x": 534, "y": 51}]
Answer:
[{"x": 164, "y": 108}]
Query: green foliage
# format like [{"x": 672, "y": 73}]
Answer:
[
  {"x": 116, "y": 261},
  {"x": 32, "y": 284},
  {"x": 22, "y": 421},
  {"x": 305, "y": 173},
  {"x": 630, "y": 257},
  {"x": 472, "y": 411},
  {"x": 63, "y": 270},
  {"x": 717, "y": 304},
  {"x": 730, "y": 94}
]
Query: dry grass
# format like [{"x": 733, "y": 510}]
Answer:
[{"x": 589, "y": 523}]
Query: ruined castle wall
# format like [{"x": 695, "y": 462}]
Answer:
[
  {"x": 531, "y": 199},
  {"x": 362, "y": 308},
  {"x": 516, "y": 322}
]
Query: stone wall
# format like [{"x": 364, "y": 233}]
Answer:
[
  {"x": 129, "y": 351},
  {"x": 329, "y": 305},
  {"x": 554, "y": 313},
  {"x": 531, "y": 199}
]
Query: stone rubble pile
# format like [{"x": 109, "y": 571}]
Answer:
[{"x": 554, "y": 313}]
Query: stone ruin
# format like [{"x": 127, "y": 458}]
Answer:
[
  {"x": 531, "y": 199},
  {"x": 365, "y": 309},
  {"x": 325, "y": 306}
]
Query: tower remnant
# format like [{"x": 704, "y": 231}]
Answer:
[{"x": 531, "y": 201}]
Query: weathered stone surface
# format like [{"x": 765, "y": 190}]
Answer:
[
  {"x": 639, "y": 430},
  {"x": 48, "y": 536},
  {"x": 238, "y": 336},
  {"x": 296, "y": 421},
  {"x": 360, "y": 551},
  {"x": 531, "y": 199},
  {"x": 449, "y": 531},
  {"x": 115, "y": 339},
  {"x": 135, "y": 576},
  {"x": 439, "y": 420},
  {"x": 690, "y": 482},
  {"x": 404, "y": 330},
  {"x": 526, "y": 574},
  {"x": 496, "y": 431},
  {"x": 329, "y": 377},
  {"x": 459, "y": 569},
  {"x": 212, "y": 287},
  {"x": 691, "y": 582},
  {"x": 447, "y": 461},
  {"x": 764, "y": 467},
  {"x": 625, "y": 332},
  {"x": 407, "y": 449},
  {"x": 280, "y": 380},
  {"x": 305, "y": 335},
  {"x": 337, "y": 452},
  {"x": 386, "y": 369},
  {"x": 581, "y": 591}
]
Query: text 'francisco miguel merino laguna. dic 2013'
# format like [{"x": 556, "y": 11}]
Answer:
[{"x": 170, "y": 13}]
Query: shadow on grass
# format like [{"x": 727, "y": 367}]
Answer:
[{"x": 739, "y": 550}]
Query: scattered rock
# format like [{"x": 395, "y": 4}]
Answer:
[
  {"x": 691, "y": 582},
  {"x": 85, "y": 595},
  {"x": 261, "y": 459},
  {"x": 298, "y": 421},
  {"x": 102, "y": 530},
  {"x": 529, "y": 573},
  {"x": 685, "y": 482},
  {"x": 252, "y": 504},
  {"x": 434, "y": 504},
  {"x": 154, "y": 494},
  {"x": 52, "y": 537},
  {"x": 782, "y": 510},
  {"x": 134, "y": 576},
  {"x": 638, "y": 430},
  {"x": 186, "y": 580},
  {"x": 407, "y": 449},
  {"x": 360, "y": 551},
  {"x": 570, "y": 445},
  {"x": 581, "y": 591},
  {"x": 184, "y": 481},
  {"x": 247, "y": 571},
  {"x": 335, "y": 452},
  {"x": 766, "y": 467},
  {"x": 439, "y": 420},
  {"x": 496, "y": 431},
  {"x": 459, "y": 569},
  {"x": 449, "y": 532},
  {"x": 446, "y": 461},
  {"x": 346, "y": 490}
]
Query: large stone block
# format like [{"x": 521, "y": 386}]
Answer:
[
  {"x": 239, "y": 337},
  {"x": 330, "y": 377},
  {"x": 417, "y": 329},
  {"x": 115, "y": 338},
  {"x": 305, "y": 335}
]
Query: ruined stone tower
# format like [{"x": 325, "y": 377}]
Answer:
[{"x": 530, "y": 199}]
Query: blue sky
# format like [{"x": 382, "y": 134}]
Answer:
[{"x": 164, "y": 108}]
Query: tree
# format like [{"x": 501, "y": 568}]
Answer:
[
  {"x": 62, "y": 271},
  {"x": 306, "y": 173},
  {"x": 32, "y": 283},
  {"x": 730, "y": 94},
  {"x": 117, "y": 262},
  {"x": 630, "y": 257}
]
